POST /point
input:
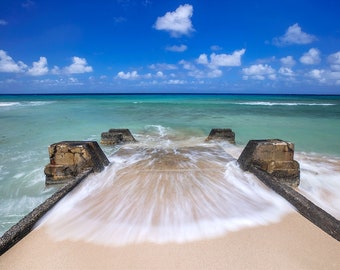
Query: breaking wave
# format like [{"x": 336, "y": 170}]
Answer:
[
  {"x": 169, "y": 189},
  {"x": 175, "y": 192},
  {"x": 26, "y": 103},
  {"x": 265, "y": 103}
]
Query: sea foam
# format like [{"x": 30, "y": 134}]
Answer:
[{"x": 169, "y": 193}]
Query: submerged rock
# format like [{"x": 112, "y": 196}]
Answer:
[
  {"x": 68, "y": 159},
  {"x": 115, "y": 136},
  {"x": 274, "y": 157},
  {"x": 225, "y": 134}
]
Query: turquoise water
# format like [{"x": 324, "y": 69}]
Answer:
[{"x": 29, "y": 124}]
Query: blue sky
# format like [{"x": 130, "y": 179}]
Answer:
[{"x": 139, "y": 46}]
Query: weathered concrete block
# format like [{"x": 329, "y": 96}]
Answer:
[
  {"x": 274, "y": 157},
  {"x": 115, "y": 136},
  {"x": 225, "y": 134},
  {"x": 68, "y": 159},
  {"x": 109, "y": 138}
]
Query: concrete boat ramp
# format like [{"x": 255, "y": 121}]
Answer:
[{"x": 171, "y": 208}]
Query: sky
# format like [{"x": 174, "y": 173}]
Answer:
[{"x": 159, "y": 46}]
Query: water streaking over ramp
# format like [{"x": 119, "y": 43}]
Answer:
[{"x": 166, "y": 193}]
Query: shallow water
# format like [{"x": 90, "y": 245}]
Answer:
[{"x": 30, "y": 123}]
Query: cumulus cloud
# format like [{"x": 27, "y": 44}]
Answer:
[
  {"x": 227, "y": 60},
  {"x": 294, "y": 35},
  {"x": 187, "y": 65},
  {"x": 128, "y": 75},
  {"x": 159, "y": 74},
  {"x": 175, "y": 82},
  {"x": 215, "y": 73},
  {"x": 286, "y": 71},
  {"x": 325, "y": 76},
  {"x": 7, "y": 64},
  {"x": 79, "y": 65},
  {"x": 317, "y": 74},
  {"x": 221, "y": 60},
  {"x": 39, "y": 68},
  {"x": 175, "y": 48},
  {"x": 334, "y": 61},
  {"x": 196, "y": 72},
  {"x": 312, "y": 57},
  {"x": 3, "y": 22},
  {"x": 203, "y": 59},
  {"x": 178, "y": 22},
  {"x": 259, "y": 72},
  {"x": 287, "y": 61}
]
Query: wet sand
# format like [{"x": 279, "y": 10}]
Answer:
[
  {"x": 294, "y": 243},
  {"x": 169, "y": 190}
]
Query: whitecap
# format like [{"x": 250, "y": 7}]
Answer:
[
  {"x": 9, "y": 104},
  {"x": 265, "y": 103}
]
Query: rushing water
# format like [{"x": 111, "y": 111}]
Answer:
[{"x": 166, "y": 122}]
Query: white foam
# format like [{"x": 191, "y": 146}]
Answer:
[
  {"x": 265, "y": 103},
  {"x": 111, "y": 208},
  {"x": 25, "y": 104},
  {"x": 9, "y": 104},
  {"x": 320, "y": 181}
]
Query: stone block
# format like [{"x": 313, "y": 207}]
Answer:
[
  {"x": 276, "y": 157},
  {"x": 225, "y": 134},
  {"x": 69, "y": 159},
  {"x": 115, "y": 136},
  {"x": 110, "y": 138}
]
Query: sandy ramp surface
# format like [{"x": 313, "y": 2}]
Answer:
[{"x": 294, "y": 243}]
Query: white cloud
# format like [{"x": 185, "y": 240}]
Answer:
[
  {"x": 334, "y": 61},
  {"x": 325, "y": 76},
  {"x": 317, "y": 74},
  {"x": 286, "y": 71},
  {"x": 312, "y": 57},
  {"x": 294, "y": 35},
  {"x": 227, "y": 60},
  {"x": 203, "y": 59},
  {"x": 128, "y": 75},
  {"x": 7, "y": 64},
  {"x": 73, "y": 81},
  {"x": 212, "y": 64},
  {"x": 187, "y": 65},
  {"x": 222, "y": 60},
  {"x": 215, "y": 48},
  {"x": 259, "y": 72},
  {"x": 160, "y": 74},
  {"x": 55, "y": 70},
  {"x": 178, "y": 22},
  {"x": 215, "y": 73},
  {"x": 175, "y": 82},
  {"x": 79, "y": 65},
  {"x": 3, "y": 22},
  {"x": 288, "y": 61},
  {"x": 39, "y": 68},
  {"x": 175, "y": 48}
]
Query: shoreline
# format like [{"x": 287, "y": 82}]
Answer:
[{"x": 292, "y": 243}]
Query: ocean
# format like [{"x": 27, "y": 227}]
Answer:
[{"x": 30, "y": 123}]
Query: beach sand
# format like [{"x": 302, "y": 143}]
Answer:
[{"x": 293, "y": 243}]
